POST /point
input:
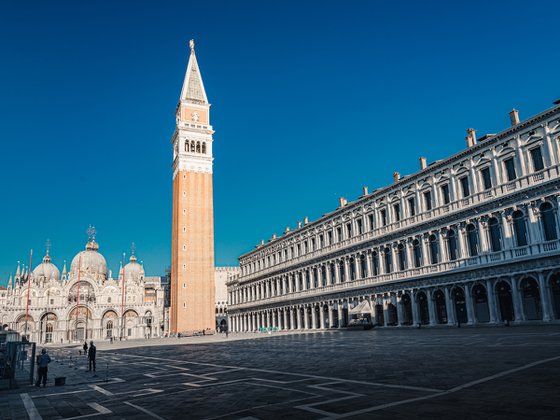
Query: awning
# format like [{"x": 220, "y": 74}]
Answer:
[{"x": 363, "y": 308}]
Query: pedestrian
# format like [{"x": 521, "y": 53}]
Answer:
[
  {"x": 111, "y": 339},
  {"x": 85, "y": 348},
  {"x": 42, "y": 368},
  {"x": 91, "y": 356}
]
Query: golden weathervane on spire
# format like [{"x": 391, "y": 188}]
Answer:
[{"x": 191, "y": 44}]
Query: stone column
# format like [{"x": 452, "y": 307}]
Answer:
[
  {"x": 492, "y": 302},
  {"x": 273, "y": 313},
  {"x": 385, "y": 312},
  {"x": 431, "y": 307},
  {"x": 450, "y": 307},
  {"x": 313, "y": 317},
  {"x": 400, "y": 312},
  {"x": 331, "y": 315},
  {"x": 337, "y": 272},
  {"x": 340, "y": 313},
  {"x": 545, "y": 297},
  {"x": 346, "y": 270},
  {"x": 369, "y": 264},
  {"x": 322, "y": 315},
  {"x": 415, "y": 317},
  {"x": 517, "y": 303},
  {"x": 357, "y": 266},
  {"x": 469, "y": 304},
  {"x": 285, "y": 319},
  {"x": 292, "y": 317},
  {"x": 305, "y": 318}
]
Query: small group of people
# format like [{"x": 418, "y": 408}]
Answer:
[{"x": 44, "y": 359}]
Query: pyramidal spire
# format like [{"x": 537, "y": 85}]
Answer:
[
  {"x": 193, "y": 88},
  {"x": 18, "y": 271}
]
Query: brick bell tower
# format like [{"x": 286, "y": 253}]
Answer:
[{"x": 192, "y": 254}]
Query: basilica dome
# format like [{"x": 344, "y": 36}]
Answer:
[
  {"x": 46, "y": 270},
  {"x": 91, "y": 263},
  {"x": 133, "y": 270}
]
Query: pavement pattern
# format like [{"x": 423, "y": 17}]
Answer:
[{"x": 399, "y": 373}]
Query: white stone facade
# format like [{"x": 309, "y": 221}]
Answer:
[
  {"x": 221, "y": 277},
  {"x": 105, "y": 309},
  {"x": 469, "y": 239}
]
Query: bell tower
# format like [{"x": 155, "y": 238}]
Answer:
[{"x": 192, "y": 253}]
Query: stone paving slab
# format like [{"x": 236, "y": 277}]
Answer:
[{"x": 382, "y": 373}]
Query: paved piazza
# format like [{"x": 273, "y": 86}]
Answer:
[{"x": 445, "y": 373}]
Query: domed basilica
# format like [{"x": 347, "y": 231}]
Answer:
[{"x": 85, "y": 303}]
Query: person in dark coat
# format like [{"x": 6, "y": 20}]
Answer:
[
  {"x": 91, "y": 355},
  {"x": 85, "y": 348},
  {"x": 42, "y": 367}
]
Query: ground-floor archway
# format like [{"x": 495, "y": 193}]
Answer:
[
  {"x": 480, "y": 303},
  {"x": 531, "y": 298},
  {"x": 441, "y": 308},
  {"x": 555, "y": 294},
  {"x": 423, "y": 310},
  {"x": 458, "y": 296},
  {"x": 392, "y": 316},
  {"x": 505, "y": 301},
  {"x": 379, "y": 315},
  {"x": 406, "y": 303}
]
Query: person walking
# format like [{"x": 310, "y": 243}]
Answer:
[
  {"x": 85, "y": 348},
  {"x": 91, "y": 356},
  {"x": 42, "y": 367}
]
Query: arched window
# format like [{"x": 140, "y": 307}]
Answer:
[
  {"x": 186, "y": 146},
  {"x": 109, "y": 299},
  {"x": 363, "y": 266},
  {"x": 109, "y": 329},
  {"x": 472, "y": 240},
  {"x": 375, "y": 260},
  {"x": 204, "y": 147},
  {"x": 452, "y": 244},
  {"x": 402, "y": 257},
  {"x": 495, "y": 234},
  {"x": 333, "y": 273},
  {"x": 352, "y": 263},
  {"x": 324, "y": 275},
  {"x": 192, "y": 146},
  {"x": 548, "y": 220},
  {"x": 197, "y": 147},
  {"x": 315, "y": 278},
  {"x": 341, "y": 271},
  {"x": 519, "y": 228},
  {"x": 49, "y": 333},
  {"x": 417, "y": 253},
  {"x": 388, "y": 260},
  {"x": 434, "y": 249}
]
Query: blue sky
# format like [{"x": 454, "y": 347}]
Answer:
[{"x": 310, "y": 101}]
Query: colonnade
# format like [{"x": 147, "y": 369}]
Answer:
[{"x": 529, "y": 297}]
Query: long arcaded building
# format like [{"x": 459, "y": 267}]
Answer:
[{"x": 469, "y": 239}]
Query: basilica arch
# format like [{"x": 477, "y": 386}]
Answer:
[
  {"x": 48, "y": 328},
  {"x": 80, "y": 325}
]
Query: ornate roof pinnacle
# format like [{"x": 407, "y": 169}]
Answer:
[{"x": 191, "y": 45}]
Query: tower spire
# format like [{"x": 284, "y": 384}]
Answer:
[{"x": 193, "y": 87}]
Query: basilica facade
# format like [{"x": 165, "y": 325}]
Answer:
[
  {"x": 471, "y": 239},
  {"x": 85, "y": 303}
]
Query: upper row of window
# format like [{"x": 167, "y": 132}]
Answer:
[{"x": 428, "y": 203}]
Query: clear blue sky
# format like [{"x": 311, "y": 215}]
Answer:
[{"x": 310, "y": 101}]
